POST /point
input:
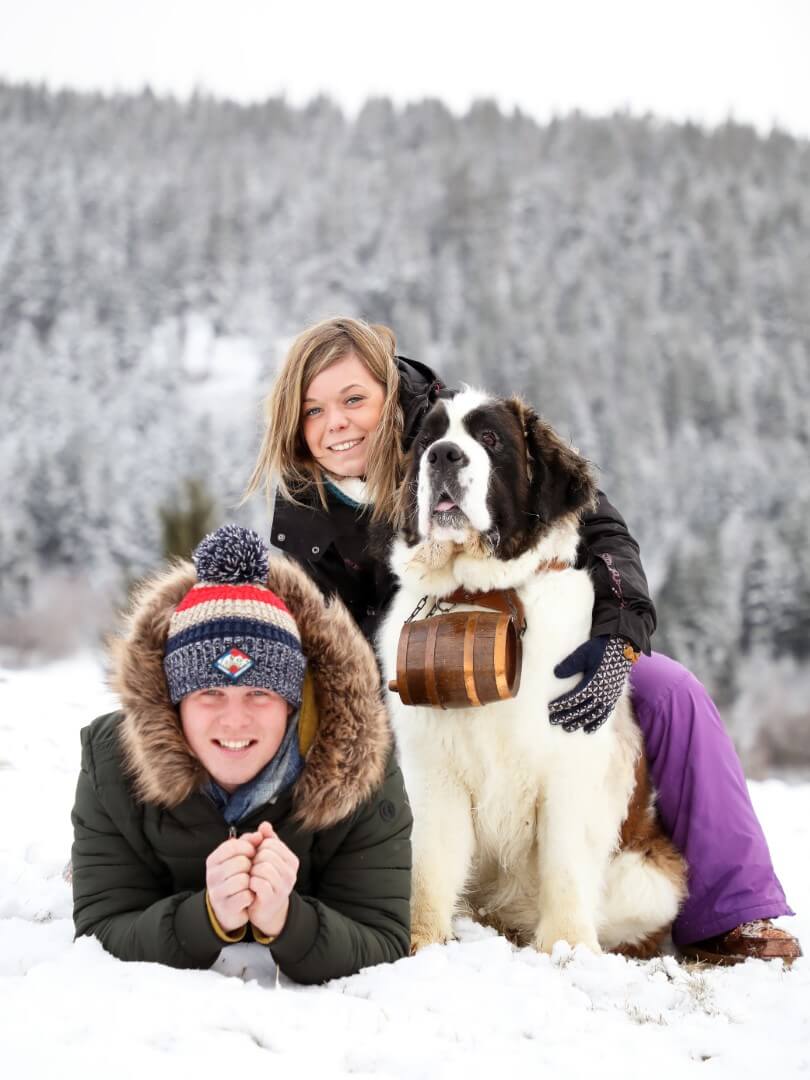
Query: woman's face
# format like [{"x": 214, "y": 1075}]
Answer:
[{"x": 339, "y": 414}]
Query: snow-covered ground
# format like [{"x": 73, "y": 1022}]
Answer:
[{"x": 476, "y": 1007}]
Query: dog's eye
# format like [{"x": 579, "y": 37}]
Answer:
[
  {"x": 424, "y": 441},
  {"x": 489, "y": 438}
]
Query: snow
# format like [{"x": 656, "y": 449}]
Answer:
[
  {"x": 223, "y": 370},
  {"x": 476, "y": 1007}
]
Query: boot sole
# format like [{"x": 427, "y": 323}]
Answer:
[{"x": 702, "y": 956}]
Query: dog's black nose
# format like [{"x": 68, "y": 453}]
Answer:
[{"x": 447, "y": 453}]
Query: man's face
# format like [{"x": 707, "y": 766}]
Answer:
[{"x": 234, "y": 730}]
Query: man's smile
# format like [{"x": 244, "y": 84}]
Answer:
[{"x": 234, "y": 745}]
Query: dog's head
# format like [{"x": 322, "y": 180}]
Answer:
[{"x": 489, "y": 472}]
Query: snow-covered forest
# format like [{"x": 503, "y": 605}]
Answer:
[{"x": 644, "y": 284}]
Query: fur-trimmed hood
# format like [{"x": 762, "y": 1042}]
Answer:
[{"x": 346, "y": 760}]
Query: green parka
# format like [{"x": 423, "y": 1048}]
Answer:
[{"x": 143, "y": 826}]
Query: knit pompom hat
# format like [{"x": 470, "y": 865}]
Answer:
[{"x": 230, "y": 629}]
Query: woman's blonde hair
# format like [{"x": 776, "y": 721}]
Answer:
[{"x": 284, "y": 460}]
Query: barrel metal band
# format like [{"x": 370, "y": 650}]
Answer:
[
  {"x": 469, "y": 659},
  {"x": 431, "y": 688},
  {"x": 501, "y": 681}
]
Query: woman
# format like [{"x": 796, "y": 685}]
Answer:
[
  {"x": 342, "y": 413},
  {"x": 242, "y": 793}
]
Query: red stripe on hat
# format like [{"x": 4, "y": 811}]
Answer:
[{"x": 203, "y": 593}]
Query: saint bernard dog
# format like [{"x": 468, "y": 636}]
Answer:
[{"x": 541, "y": 833}]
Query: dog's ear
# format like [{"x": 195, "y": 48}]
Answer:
[
  {"x": 560, "y": 480},
  {"x": 406, "y": 509}
]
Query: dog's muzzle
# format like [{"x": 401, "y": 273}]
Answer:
[{"x": 443, "y": 461}]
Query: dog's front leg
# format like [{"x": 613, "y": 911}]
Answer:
[
  {"x": 443, "y": 842},
  {"x": 574, "y": 849}
]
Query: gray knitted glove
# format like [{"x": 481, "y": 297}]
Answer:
[{"x": 604, "y": 662}]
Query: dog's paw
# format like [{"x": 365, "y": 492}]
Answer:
[
  {"x": 421, "y": 941},
  {"x": 549, "y": 933},
  {"x": 428, "y": 930}
]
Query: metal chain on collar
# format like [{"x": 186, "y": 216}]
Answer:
[
  {"x": 417, "y": 609},
  {"x": 522, "y": 627},
  {"x": 439, "y": 607}
]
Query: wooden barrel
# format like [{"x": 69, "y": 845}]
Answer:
[{"x": 458, "y": 659}]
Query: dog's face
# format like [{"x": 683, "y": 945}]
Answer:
[{"x": 490, "y": 468}]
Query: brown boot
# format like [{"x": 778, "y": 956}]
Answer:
[{"x": 759, "y": 940}]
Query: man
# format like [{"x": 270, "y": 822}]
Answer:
[{"x": 246, "y": 789}]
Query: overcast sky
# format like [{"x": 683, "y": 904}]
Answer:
[{"x": 702, "y": 59}]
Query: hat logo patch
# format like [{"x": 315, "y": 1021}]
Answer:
[{"x": 233, "y": 663}]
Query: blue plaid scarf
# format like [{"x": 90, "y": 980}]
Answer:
[{"x": 279, "y": 773}]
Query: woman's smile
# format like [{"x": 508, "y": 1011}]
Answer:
[{"x": 342, "y": 447}]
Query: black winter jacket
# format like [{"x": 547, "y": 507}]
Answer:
[{"x": 333, "y": 544}]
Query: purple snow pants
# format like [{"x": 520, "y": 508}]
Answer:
[{"x": 704, "y": 803}]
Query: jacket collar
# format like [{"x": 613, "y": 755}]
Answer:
[
  {"x": 418, "y": 389},
  {"x": 346, "y": 759}
]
